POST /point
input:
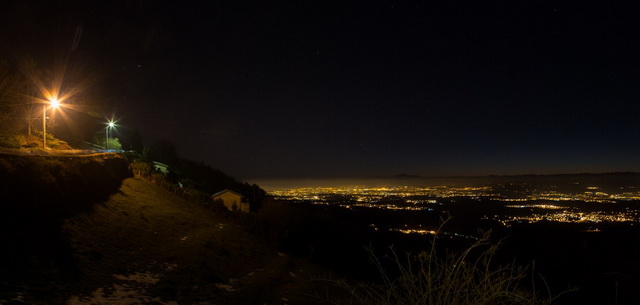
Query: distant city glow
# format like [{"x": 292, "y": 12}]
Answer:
[
  {"x": 429, "y": 194},
  {"x": 535, "y": 205},
  {"x": 570, "y": 216}
]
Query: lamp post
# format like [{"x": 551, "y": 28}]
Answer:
[
  {"x": 106, "y": 142},
  {"x": 54, "y": 104}
]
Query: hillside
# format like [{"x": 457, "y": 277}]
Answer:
[{"x": 142, "y": 245}]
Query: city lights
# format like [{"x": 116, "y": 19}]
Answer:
[{"x": 533, "y": 204}]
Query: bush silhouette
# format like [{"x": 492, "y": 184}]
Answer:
[{"x": 467, "y": 277}]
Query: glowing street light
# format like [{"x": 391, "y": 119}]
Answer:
[
  {"x": 110, "y": 125},
  {"x": 54, "y": 104}
]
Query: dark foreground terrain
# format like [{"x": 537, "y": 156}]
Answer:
[
  {"x": 83, "y": 231},
  {"x": 145, "y": 245},
  {"x": 78, "y": 231}
]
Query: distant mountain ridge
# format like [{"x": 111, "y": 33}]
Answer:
[
  {"x": 412, "y": 176},
  {"x": 404, "y": 175},
  {"x": 542, "y": 175}
]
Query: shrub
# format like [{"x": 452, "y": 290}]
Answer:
[
  {"x": 38, "y": 151},
  {"x": 218, "y": 207},
  {"x": 52, "y": 142},
  {"x": 142, "y": 168},
  {"x": 467, "y": 277},
  {"x": 114, "y": 143},
  {"x": 11, "y": 141},
  {"x": 55, "y": 143}
]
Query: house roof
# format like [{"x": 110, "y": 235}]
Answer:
[
  {"x": 160, "y": 163},
  {"x": 225, "y": 191}
]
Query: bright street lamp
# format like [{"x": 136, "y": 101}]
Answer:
[
  {"x": 54, "y": 104},
  {"x": 110, "y": 125}
]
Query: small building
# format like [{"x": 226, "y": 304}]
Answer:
[
  {"x": 161, "y": 167},
  {"x": 231, "y": 200}
]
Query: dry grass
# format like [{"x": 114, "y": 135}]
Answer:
[
  {"x": 468, "y": 277},
  {"x": 193, "y": 255},
  {"x": 140, "y": 244}
]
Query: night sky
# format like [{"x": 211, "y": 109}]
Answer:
[{"x": 300, "y": 89}]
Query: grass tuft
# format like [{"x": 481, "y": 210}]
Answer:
[{"x": 467, "y": 277}]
